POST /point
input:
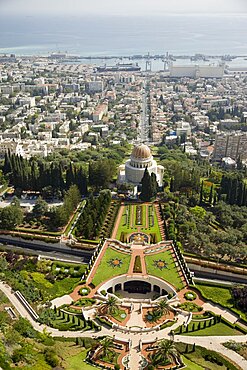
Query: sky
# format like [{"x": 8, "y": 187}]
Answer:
[{"x": 121, "y": 7}]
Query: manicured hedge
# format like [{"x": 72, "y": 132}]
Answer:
[
  {"x": 137, "y": 265},
  {"x": 104, "y": 322}
]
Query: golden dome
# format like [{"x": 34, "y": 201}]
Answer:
[{"x": 141, "y": 151}]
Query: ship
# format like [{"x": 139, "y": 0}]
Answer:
[{"x": 119, "y": 67}]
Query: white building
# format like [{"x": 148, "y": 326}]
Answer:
[
  {"x": 196, "y": 71},
  {"x": 183, "y": 128},
  {"x": 11, "y": 146},
  {"x": 133, "y": 170}
]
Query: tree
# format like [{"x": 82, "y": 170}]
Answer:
[
  {"x": 163, "y": 307},
  {"x": 40, "y": 208},
  {"x": 72, "y": 197},
  {"x": 15, "y": 202},
  {"x": 10, "y": 217},
  {"x": 106, "y": 345},
  {"x": 198, "y": 211},
  {"x": 110, "y": 305},
  {"x": 3, "y": 264},
  {"x": 101, "y": 173},
  {"x": 23, "y": 327},
  {"x": 211, "y": 194},
  {"x": 51, "y": 357},
  {"x": 58, "y": 217},
  {"x": 166, "y": 351},
  {"x": 149, "y": 186}
]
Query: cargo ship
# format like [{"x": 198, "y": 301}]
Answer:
[{"x": 119, "y": 67}]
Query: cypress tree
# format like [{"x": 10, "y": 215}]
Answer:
[
  {"x": 244, "y": 196},
  {"x": 172, "y": 185},
  {"x": 147, "y": 189},
  {"x": 201, "y": 193},
  {"x": 211, "y": 194}
]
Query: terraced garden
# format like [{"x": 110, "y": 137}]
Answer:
[
  {"x": 112, "y": 264},
  {"x": 139, "y": 218},
  {"x": 168, "y": 271}
]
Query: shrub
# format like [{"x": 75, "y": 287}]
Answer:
[
  {"x": 137, "y": 265},
  {"x": 190, "y": 296},
  {"x": 51, "y": 357},
  {"x": 23, "y": 327},
  {"x": 191, "y": 307},
  {"x": 85, "y": 302},
  {"x": 84, "y": 291}
]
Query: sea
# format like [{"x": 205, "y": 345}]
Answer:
[{"x": 99, "y": 36}]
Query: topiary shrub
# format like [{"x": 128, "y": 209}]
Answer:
[
  {"x": 190, "y": 296},
  {"x": 84, "y": 291}
]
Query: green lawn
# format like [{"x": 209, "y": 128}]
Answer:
[
  {"x": 77, "y": 362},
  {"x": 124, "y": 228},
  {"x": 106, "y": 271},
  {"x": 111, "y": 357},
  {"x": 117, "y": 315},
  {"x": 170, "y": 273},
  {"x": 220, "y": 295},
  {"x": 217, "y": 330},
  {"x": 191, "y": 365},
  {"x": 200, "y": 359}
]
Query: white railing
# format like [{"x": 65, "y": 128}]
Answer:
[{"x": 25, "y": 303}]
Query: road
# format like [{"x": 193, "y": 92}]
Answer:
[
  {"x": 216, "y": 277},
  {"x": 55, "y": 249},
  {"x": 144, "y": 125}
]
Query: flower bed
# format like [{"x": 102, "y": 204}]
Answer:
[
  {"x": 191, "y": 307},
  {"x": 137, "y": 265}
]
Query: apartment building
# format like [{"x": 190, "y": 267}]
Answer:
[{"x": 232, "y": 144}]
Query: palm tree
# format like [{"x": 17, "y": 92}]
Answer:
[
  {"x": 106, "y": 344},
  {"x": 163, "y": 307},
  {"x": 166, "y": 351},
  {"x": 153, "y": 316},
  {"x": 110, "y": 305}
]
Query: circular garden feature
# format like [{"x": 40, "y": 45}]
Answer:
[
  {"x": 115, "y": 262},
  {"x": 139, "y": 238},
  {"x": 160, "y": 264},
  {"x": 84, "y": 291},
  {"x": 190, "y": 296}
]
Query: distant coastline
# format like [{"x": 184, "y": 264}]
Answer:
[{"x": 100, "y": 36}]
